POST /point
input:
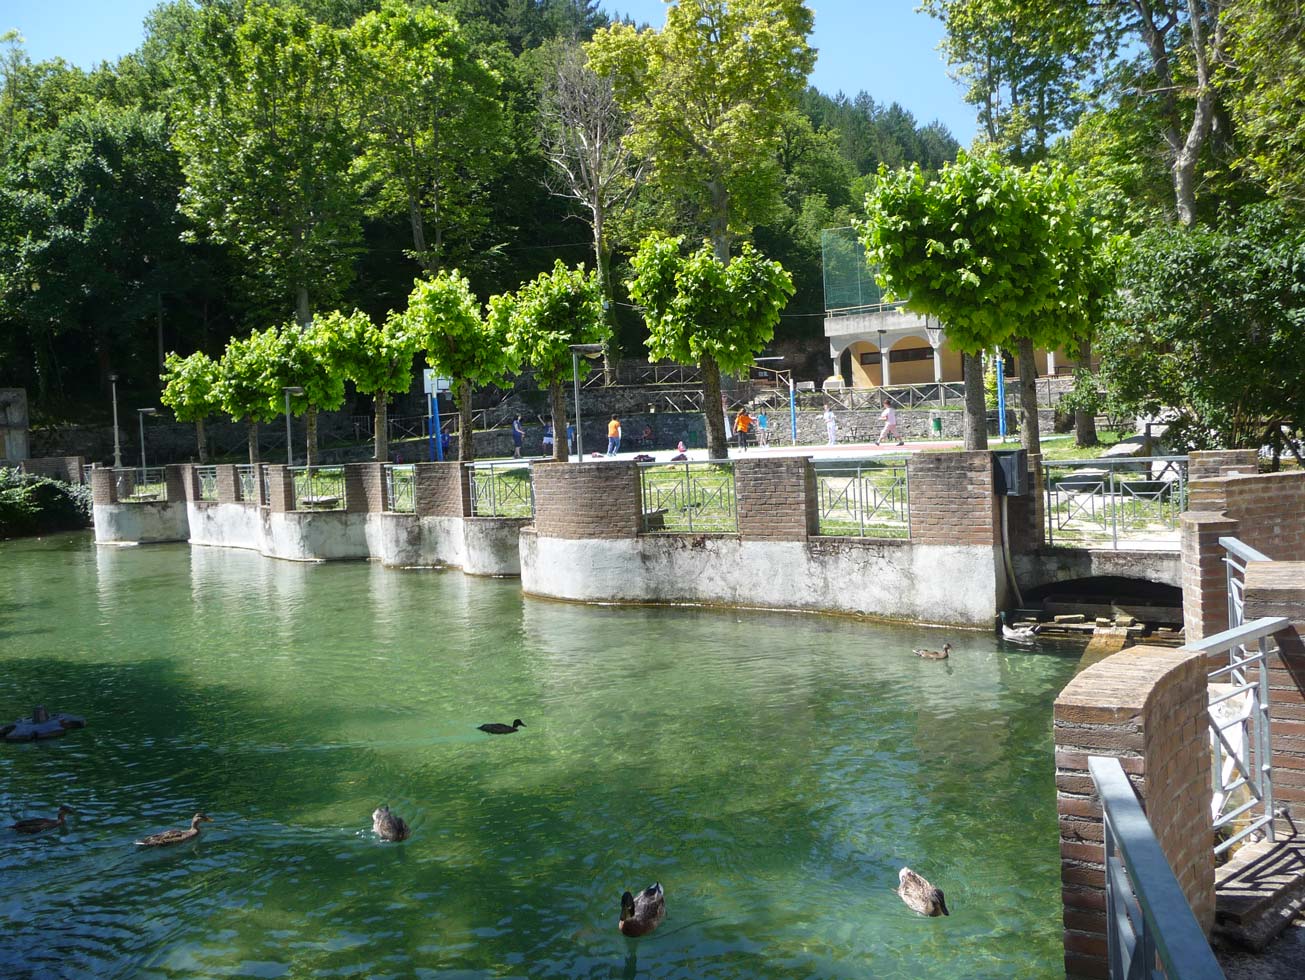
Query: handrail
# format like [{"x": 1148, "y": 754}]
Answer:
[
  {"x": 1239, "y": 549},
  {"x": 1256, "y": 629},
  {"x": 1147, "y": 914}
]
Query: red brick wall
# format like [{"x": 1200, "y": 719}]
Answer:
[
  {"x": 228, "y": 487},
  {"x": 1146, "y": 707},
  {"x": 104, "y": 486},
  {"x": 776, "y": 499},
  {"x": 951, "y": 499},
  {"x": 177, "y": 478},
  {"x": 587, "y": 500},
  {"x": 70, "y": 469},
  {"x": 1205, "y": 577},
  {"x": 1210, "y": 464},
  {"x": 281, "y": 489},
  {"x": 364, "y": 488},
  {"x": 1028, "y": 514},
  {"x": 441, "y": 490},
  {"x": 1278, "y": 589}
]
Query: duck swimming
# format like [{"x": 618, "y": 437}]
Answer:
[
  {"x": 387, "y": 826},
  {"x": 497, "y": 728},
  {"x": 641, "y": 915},
  {"x": 919, "y": 895},
  {"x": 934, "y": 654},
  {"x": 34, "y": 825},
  {"x": 167, "y": 837},
  {"x": 1018, "y": 634}
]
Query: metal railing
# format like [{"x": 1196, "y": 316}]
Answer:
[
  {"x": 206, "y": 479},
  {"x": 1148, "y": 918},
  {"x": 1099, "y": 502},
  {"x": 696, "y": 497},
  {"x": 136, "y": 485},
  {"x": 1237, "y": 557},
  {"x": 265, "y": 496},
  {"x": 318, "y": 487},
  {"x": 247, "y": 483},
  {"x": 398, "y": 488},
  {"x": 502, "y": 490},
  {"x": 867, "y": 498}
]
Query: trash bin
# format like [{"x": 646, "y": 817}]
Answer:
[{"x": 935, "y": 424}]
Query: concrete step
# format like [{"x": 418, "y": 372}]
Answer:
[{"x": 1260, "y": 890}]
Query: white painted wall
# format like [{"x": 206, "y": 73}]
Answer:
[{"x": 148, "y": 522}]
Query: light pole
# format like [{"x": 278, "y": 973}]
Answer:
[
  {"x": 289, "y": 444},
  {"x": 140, "y": 414},
  {"x": 588, "y": 350},
  {"x": 117, "y": 445}
]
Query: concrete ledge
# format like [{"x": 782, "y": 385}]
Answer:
[{"x": 148, "y": 522}]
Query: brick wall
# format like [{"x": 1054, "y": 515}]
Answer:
[
  {"x": 1205, "y": 577},
  {"x": 70, "y": 469},
  {"x": 587, "y": 500},
  {"x": 776, "y": 499},
  {"x": 1278, "y": 589},
  {"x": 228, "y": 486},
  {"x": 178, "y": 477},
  {"x": 1146, "y": 707},
  {"x": 441, "y": 490},
  {"x": 1028, "y": 514},
  {"x": 951, "y": 499},
  {"x": 281, "y": 489},
  {"x": 1210, "y": 464},
  {"x": 104, "y": 487},
  {"x": 364, "y": 488}
]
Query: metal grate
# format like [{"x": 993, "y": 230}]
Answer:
[
  {"x": 1101, "y": 502},
  {"x": 206, "y": 477},
  {"x": 693, "y": 496},
  {"x": 246, "y": 482},
  {"x": 501, "y": 491},
  {"x": 399, "y": 488},
  {"x": 318, "y": 488},
  {"x": 866, "y": 498}
]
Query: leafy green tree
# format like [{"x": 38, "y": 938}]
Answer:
[
  {"x": 702, "y": 311},
  {"x": 308, "y": 358},
  {"x": 994, "y": 252},
  {"x": 444, "y": 318},
  {"x": 377, "y": 359},
  {"x": 705, "y": 95},
  {"x": 190, "y": 390},
  {"x": 248, "y": 386},
  {"x": 267, "y": 150},
  {"x": 541, "y": 321}
]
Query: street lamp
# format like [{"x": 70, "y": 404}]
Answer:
[
  {"x": 140, "y": 414},
  {"x": 588, "y": 350},
  {"x": 289, "y": 445},
  {"x": 792, "y": 402},
  {"x": 117, "y": 446}
]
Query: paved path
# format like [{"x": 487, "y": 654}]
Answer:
[{"x": 843, "y": 450}]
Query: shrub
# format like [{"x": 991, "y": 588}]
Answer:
[{"x": 39, "y": 505}]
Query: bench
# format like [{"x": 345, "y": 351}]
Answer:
[{"x": 319, "y": 503}]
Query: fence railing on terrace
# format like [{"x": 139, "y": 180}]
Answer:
[
  {"x": 692, "y": 496},
  {"x": 398, "y": 488},
  {"x": 265, "y": 497},
  {"x": 318, "y": 487},
  {"x": 865, "y": 498},
  {"x": 1148, "y": 918},
  {"x": 136, "y": 485},
  {"x": 206, "y": 479},
  {"x": 1131, "y": 501},
  {"x": 1237, "y": 556},
  {"x": 499, "y": 490},
  {"x": 247, "y": 482}
]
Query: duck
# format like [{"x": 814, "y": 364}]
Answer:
[
  {"x": 919, "y": 895},
  {"x": 641, "y": 915},
  {"x": 497, "y": 728},
  {"x": 166, "y": 837},
  {"x": 942, "y": 654},
  {"x": 1018, "y": 634},
  {"x": 34, "y": 825},
  {"x": 387, "y": 826}
]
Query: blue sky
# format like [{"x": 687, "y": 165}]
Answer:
[{"x": 882, "y": 46}]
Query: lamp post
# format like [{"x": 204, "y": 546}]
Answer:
[
  {"x": 140, "y": 414},
  {"x": 117, "y": 445},
  {"x": 588, "y": 350},
  {"x": 289, "y": 444}
]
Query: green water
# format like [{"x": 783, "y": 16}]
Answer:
[{"x": 772, "y": 771}]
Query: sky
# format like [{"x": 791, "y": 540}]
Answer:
[{"x": 881, "y": 46}]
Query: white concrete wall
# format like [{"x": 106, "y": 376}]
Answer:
[
  {"x": 148, "y": 522},
  {"x": 492, "y": 545},
  {"x": 953, "y": 584}
]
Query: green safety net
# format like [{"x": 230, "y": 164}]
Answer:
[{"x": 849, "y": 282}]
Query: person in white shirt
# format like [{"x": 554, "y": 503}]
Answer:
[
  {"x": 889, "y": 418},
  {"x": 831, "y": 425}
]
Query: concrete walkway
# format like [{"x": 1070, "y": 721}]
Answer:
[{"x": 842, "y": 450}]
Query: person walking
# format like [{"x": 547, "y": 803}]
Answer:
[
  {"x": 889, "y": 418},
  {"x": 831, "y": 426},
  {"x": 518, "y": 434},
  {"x": 548, "y": 437},
  {"x": 763, "y": 429},
  {"x": 570, "y": 437},
  {"x": 742, "y": 423},
  {"x": 613, "y": 436}
]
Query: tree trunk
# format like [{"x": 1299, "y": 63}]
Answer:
[
  {"x": 1085, "y": 423},
  {"x": 466, "y": 452},
  {"x": 201, "y": 440},
  {"x": 380, "y": 424},
  {"x": 603, "y": 260},
  {"x": 557, "y": 403},
  {"x": 720, "y": 220},
  {"x": 976, "y": 409},
  {"x": 310, "y": 427},
  {"x": 712, "y": 409},
  {"x": 303, "y": 311},
  {"x": 158, "y": 311},
  {"x": 1030, "y": 434},
  {"x": 251, "y": 433}
]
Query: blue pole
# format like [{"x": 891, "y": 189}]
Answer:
[
  {"x": 430, "y": 429},
  {"x": 792, "y": 411},
  {"x": 435, "y": 426},
  {"x": 1001, "y": 395}
]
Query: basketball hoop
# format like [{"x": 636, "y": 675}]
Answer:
[{"x": 934, "y": 333}]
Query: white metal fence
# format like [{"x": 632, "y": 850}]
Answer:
[
  {"x": 1129, "y": 502},
  {"x": 863, "y": 497},
  {"x": 693, "y": 496}
]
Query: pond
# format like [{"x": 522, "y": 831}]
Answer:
[{"x": 772, "y": 771}]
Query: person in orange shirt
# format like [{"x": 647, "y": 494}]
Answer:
[
  {"x": 742, "y": 425},
  {"x": 613, "y": 436}
]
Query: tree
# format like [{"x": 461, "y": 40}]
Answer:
[
  {"x": 267, "y": 151},
  {"x": 377, "y": 359},
  {"x": 190, "y": 390},
  {"x": 702, "y": 311},
  {"x": 585, "y": 137},
  {"x": 247, "y": 386},
  {"x": 444, "y": 318},
  {"x": 541, "y": 321},
  {"x": 996, "y": 253},
  {"x": 705, "y": 96},
  {"x": 308, "y": 358}
]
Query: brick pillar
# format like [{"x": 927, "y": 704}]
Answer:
[
  {"x": 1205, "y": 578},
  {"x": 180, "y": 481},
  {"x": 364, "y": 488},
  {"x": 587, "y": 500},
  {"x": 776, "y": 499},
  {"x": 281, "y": 489},
  {"x": 951, "y": 499},
  {"x": 441, "y": 489},
  {"x": 260, "y": 479},
  {"x": 1028, "y": 514},
  {"x": 1210, "y": 464},
  {"x": 228, "y": 486},
  {"x": 1277, "y": 588},
  {"x": 104, "y": 486},
  {"x": 1146, "y": 707}
]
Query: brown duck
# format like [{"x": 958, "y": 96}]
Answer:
[
  {"x": 641, "y": 915},
  {"x": 919, "y": 895},
  {"x": 168, "y": 837},
  {"x": 934, "y": 654},
  {"x": 34, "y": 825}
]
